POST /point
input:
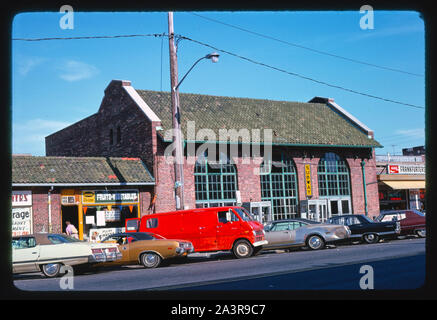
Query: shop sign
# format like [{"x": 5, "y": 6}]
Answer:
[
  {"x": 97, "y": 235},
  {"x": 21, "y": 221},
  {"x": 21, "y": 198},
  {"x": 308, "y": 180},
  {"x": 110, "y": 196},
  {"x": 112, "y": 215},
  {"x": 405, "y": 169}
]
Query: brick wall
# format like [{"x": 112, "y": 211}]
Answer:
[{"x": 91, "y": 136}]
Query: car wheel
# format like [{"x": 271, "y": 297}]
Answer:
[
  {"x": 315, "y": 242},
  {"x": 242, "y": 249},
  {"x": 421, "y": 233},
  {"x": 51, "y": 270},
  {"x": 150, "y": 260},
  {"x": 371, "y": 238}
]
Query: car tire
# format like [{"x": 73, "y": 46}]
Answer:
[
  {"x": 315, "y": 242},
  {"x": 371, "y": 238},
  {"x": 421, "y": 233},
  {"x": 242, "y": 249},
  {"x": 150, "y": 260},
  {"x": 51, "y": 270}
]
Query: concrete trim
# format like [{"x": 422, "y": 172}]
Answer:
[{"x": 140, "y": 102}]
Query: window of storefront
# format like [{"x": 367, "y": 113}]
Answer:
[
  {"x": 215, "y": 183},
  {"x": 279, "y": 186},
  {"x": 334, "y": 183},
  {"x": 99, "y": 220},
  {"x": 105, "y": 212},
  {"x": 393, "y": 200}
]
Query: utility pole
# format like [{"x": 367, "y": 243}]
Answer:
[{"x": 176, "y": 118}]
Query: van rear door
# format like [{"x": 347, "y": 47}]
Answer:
[{"x": 132, "y": 225}]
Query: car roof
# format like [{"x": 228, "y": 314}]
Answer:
[
  {"x": 295, "y": 219},
  {"x": 41, "y": 238},
  {"x": 346, "y": 216}
]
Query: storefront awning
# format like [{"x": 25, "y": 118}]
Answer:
[{"x": 414, "y": 184}]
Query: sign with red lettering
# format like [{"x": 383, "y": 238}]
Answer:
[{"x": 21, "y": 198}]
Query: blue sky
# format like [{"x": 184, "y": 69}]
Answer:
[{"x": 56, "y": 83}]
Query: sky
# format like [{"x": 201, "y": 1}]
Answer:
[{"x": 58, "y": 82}]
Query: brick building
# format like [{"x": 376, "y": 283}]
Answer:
[
  {"x": 321, "y": 159},
  {"x": 96, "y": 194}
]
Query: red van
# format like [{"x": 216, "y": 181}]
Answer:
[{"x": 209, "y": 229}]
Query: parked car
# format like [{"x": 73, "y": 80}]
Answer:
[
  {"x": 146, "y": 248},
  {"x": 364, "y": 229},
  {"x": 283, "y": 234},
  {"x": 208, "y": 229},
  {"x": 412, "y": 221},
  {"x": 48, "y": 252}
]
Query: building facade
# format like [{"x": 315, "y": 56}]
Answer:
[
  {"x": 96, "y": 195},
  {"x": 401, "y": 182},
  {"x": 289, "y": 159}
]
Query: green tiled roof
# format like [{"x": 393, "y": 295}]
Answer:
[
  {"x": 78, "y": 170},
  {"x": 293, "y": 123}
]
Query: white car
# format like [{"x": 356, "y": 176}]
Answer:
[{"x": 48, "y": 252}]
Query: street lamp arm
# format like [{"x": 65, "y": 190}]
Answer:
[{"x": 189, "y": 72}]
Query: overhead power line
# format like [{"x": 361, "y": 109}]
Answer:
[
  {"x": 307, "y": 48},
  {"x": 299, "y": 75},
  {"x": 92, "y": 37},
  {"x": 229, "y": 53}
]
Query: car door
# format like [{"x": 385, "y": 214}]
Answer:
[
  {"x": 227, "y": 231},
  {"x": 25, "y": 254},
  {"x": 357, "y": 228},
  {"x": 124, "y": 248},
  {"x": 279, "y": 234}
]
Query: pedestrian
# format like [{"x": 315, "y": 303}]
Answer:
[{"x": 71, "y": 230}]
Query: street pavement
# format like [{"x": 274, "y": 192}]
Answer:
[{"x": 397, "y": 264}]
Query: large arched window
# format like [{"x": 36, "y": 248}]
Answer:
[
  {"x": 333, "y": 174},
  {"x": 279, "y": 186},
  {"x": 334, "y": 183},
  {"x": 215, "y": 183}
]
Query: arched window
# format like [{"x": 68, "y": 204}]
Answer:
[
  {"x": 279, "y": 186},
  {"x": 334, "y": 183},
  {"x": 215, "y": 182},
  {"x": 333, "y": 174}
]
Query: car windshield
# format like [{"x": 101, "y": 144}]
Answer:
[
  {"x": 61, "y": 238},
  {"x": 418, "y": 213},
  {"x": 306, "y": 221},
  {"x": 157, "y": 236},
  {"x": 367, "y": 219},
  {"x": 244, "y": 215}
]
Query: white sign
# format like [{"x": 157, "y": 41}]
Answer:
[
  {"x": 90, "y": 220},
  {"x": 405, "y": 169},
  {"x": 21, "y": 221},
  {"x": 21, "y": 198},
  {"x": 112, "y": 215},
  {"x": 100, "y": 215},
  {"x": 97, "y": 235}
]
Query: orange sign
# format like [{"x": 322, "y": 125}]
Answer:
[{"x": 308, "y": 180}]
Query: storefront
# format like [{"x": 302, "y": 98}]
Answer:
[
  {"x": 402, "y": 186},
  {"x": 105, "y": 212},
  {"x": 94, "y": 196}
]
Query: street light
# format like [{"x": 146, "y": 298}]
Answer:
[
  {"x": 179, "y": 168},
  {"x": 212, "y": 56}
]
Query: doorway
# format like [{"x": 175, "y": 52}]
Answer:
[{"x": 69, "y": 213}]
